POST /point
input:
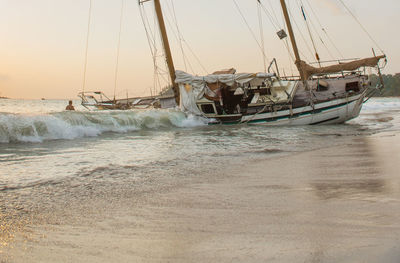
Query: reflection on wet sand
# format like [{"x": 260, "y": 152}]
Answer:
[
  {"x": 362, "y": 174},
  {"x": 338, "y": 204},
  {"x": 342, "y": 188}
]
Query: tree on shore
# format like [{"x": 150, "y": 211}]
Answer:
[{"x": 392, "y": 84}]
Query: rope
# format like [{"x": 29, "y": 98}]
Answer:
[
  {"x": 118, "y": 48},
  {"x": 258, "y": 112},
  {"x": 322, "y": 41},
  {"x": 87, "y": 47},
  {"x": 316, "y": 31},
  {"x": 301, "y": 34},
  {"x": 260, "y": 25},
  {"x": 151, "y": 39},
  {"x": 171, "y": 11},
  {"x": 290, "y": 54},
  {"x": 275, "y": 24},
  {"x": 309, "y": 32},
  {"x": 182, "y": 40},
  {"x": 277, "y": 27},
  {"x": 161, "y": 76},
  {"x": 362, "y": 27},
  {"x": 146, "y": 29},
  {"x": 324, "y": 30},
  {"x": 195, "y": 56},
  {"x": 178, "y": 36},
  {"x": 273, "y": 12},
  {"x": 249, "y": 28}
]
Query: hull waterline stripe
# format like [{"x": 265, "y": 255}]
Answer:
[{"x": 320, "y": 122}]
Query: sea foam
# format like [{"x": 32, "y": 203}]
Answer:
[{"x": 72, "y": 125}]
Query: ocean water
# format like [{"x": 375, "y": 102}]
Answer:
[
  {"x": 62, "y": 168},
  {"x": 40, "y": 143}
]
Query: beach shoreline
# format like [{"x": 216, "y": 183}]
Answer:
[{"x": 336, "y": 204}]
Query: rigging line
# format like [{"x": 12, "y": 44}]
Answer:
[
  {"x": 324, "y": 30},
  {"x": 274, "y": 24},
  {"x": 322, "y": 41},
  {"x": 177, "y": 37},
  {"x": 163, "y": 49},
  {"x": 154, "y": 32},
  {"x": 161, "y": 75},
  {"x": 151, "y": 39},
  {"x": 174, "y": 28},
  {"x": 333, "y": 43},
  {"x": 248, "y": 26},
  {"x": 147, "y": 29},
  {"x": 159, "y": 72},
  {"x": 195, "y": 56},
  {"x": 157, "y": 85},
  {"x": 277, "y": 27},
  {"x": 274, "y": 13},
  {"x": 184, "y": 41},
  {"x": 118, "y": 48},
  {"x": 290, "y": 56},
  {"x": 151, "y": 36},
  {"x": 362, "y": 27},
  {"x": 301, "y": 34},
  {"x": 286, "y": 42},
  {"x": 309, "y": 31},
  {"x": 181, "y": 40},
  {"x": 179, "y": 34},
  {"x": 318, "y": 34},
  {"x": 261, "y": 33},
  {"x": 87, "y": 47}
]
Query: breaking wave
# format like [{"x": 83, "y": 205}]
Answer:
[
  {"x": 72, "y": 125},
  {"x": 377, "y": 105}
]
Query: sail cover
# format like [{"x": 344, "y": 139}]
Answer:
[
  {"x": 192, "y": 87},
  {"x": 308, "y": 70}
]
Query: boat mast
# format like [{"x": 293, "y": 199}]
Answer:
[
  {"x": 292, "y": 39},
  {"x": 167, "y": 49}
]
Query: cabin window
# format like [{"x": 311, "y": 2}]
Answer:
[
  {"x": 322, "y": 87},
  {"x": 352, "y": 86},
  {"x": 208, "y": 108}
]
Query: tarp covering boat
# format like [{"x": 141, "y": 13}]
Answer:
[
  {"x": 193, "y": 88},
  {"x": 308, "y": 70}
]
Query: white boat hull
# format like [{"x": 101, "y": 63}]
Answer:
[{"x": 331, "y": 112}]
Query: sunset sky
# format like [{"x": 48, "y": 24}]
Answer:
[{"x": 42, "y": 47}]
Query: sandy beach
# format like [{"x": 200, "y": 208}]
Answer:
[{"x": 337, "y": 204}]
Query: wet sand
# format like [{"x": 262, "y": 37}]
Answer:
[{"x": 339, "y": 204}]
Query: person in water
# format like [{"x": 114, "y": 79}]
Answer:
[{"x": 70, "y": 106}]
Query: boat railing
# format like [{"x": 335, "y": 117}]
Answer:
[{"x": 337, "y": 61}]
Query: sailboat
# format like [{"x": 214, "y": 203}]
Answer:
[
  {"x": 319, "y": 95},
  {"x": 98, "y": 100}
]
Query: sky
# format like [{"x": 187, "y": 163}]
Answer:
[{"x": 42, "y": 47}]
